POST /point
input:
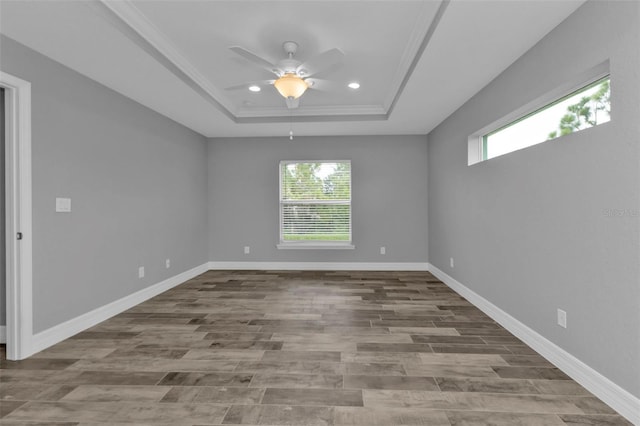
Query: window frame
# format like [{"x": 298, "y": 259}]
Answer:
[
  {"x": 314, "y": 244},
  {"x": 477, "y": 141}
]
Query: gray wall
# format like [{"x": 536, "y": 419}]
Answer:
[
  {"x": 137, "y": 181},
  {"x": 3, "y": 284},
  {"x": 389, "y": 201},
  {"x": 529, "y": 231}
]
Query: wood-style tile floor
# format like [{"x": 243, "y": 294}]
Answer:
[{"x": 297, "y": 348}]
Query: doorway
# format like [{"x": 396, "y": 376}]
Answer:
[
  {"x": 3, "y": 241},
  {"x": 16, "y": 112}
]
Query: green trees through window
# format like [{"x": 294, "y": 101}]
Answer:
[
  {"x": 315, "y": 201},
  {"x": 587, "y": 107},
  {"x": 584, "y": 113}
]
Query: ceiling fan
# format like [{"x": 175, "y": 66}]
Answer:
[{"x": 293, "y": 76}]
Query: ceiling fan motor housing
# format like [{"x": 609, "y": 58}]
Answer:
[
  {"x": 289, "y": 65},
  {"x": 290, "y": 47}
]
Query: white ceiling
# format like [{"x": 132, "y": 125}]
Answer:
[{"x": 417, "y": 61}]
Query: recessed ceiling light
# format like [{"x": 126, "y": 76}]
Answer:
[
  {"x": 254, "y": 88},
  {"x": 354, "y": 85}
]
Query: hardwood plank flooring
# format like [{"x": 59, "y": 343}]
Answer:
[{"x": 297, "y": 348}]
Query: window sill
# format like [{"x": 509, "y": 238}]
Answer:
[{"x": 315, "y": 246}]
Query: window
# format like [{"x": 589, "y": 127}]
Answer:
[
  {"x": 315, "y": 204},
  {"x": 588, "y": 106}
]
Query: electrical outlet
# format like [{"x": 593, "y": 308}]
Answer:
[
  {"x": 141, "y": 272},
  {"x": 167, "y": 263},
  {"x": 562, "y": 318},
  {"x": 451, "y": 262},
  {"x": 383, "y": 250},
  {"x": 247, "y": 249}
]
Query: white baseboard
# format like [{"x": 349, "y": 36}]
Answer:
[
  {"x": 58, "y": 333},
  {"x": 321, "y": 266},
  {"x": 3, "y": 334},
  {"x": 616, "y": 397}
]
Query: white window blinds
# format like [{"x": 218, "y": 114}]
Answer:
[{"x": 315, "y": 201}]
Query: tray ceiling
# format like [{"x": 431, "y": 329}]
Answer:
[{"x": 416, "y": 61}]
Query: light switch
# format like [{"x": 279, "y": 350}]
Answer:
[{"x": 63, "y": 205}]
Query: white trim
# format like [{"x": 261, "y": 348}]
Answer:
[
  {"x": 75, "y": 325},
  {"x": 431, "y": 25},
  {"x": 619, "y": 399},
  {"x": 321, "y": 266},
  {"x": 128, "y": 13},
  {"x": 314, "y": 246},
  {"x": 339, "y": 110},
  {"x": 3, "y": 334},
  {"x": 412, "y": 51},
  {"x": 18, "y": 215}
]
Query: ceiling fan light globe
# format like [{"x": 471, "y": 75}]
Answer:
[{"x": 291, "y": 86}]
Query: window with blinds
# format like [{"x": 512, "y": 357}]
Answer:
[{"x": 315, "y": 202}]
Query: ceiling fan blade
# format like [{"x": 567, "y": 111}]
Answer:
[
  {"x": 324, "y": 85},
  {"x": 255, "y": 59},
  {"x": 292, "y": 103},
  {"x": 321, "y": 62},
  {"x": 246, "y": 85}
]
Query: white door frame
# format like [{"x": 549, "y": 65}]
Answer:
[{"x": 17, "y": 95}]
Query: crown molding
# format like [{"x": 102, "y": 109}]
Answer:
[
  {"x": 306, "y": 111},
  {"x": 139, "y": 29},
  {"x": 431, "y": 29},
  {"x": 420, "y": 36},
  {"x": 314, "y": 113}
]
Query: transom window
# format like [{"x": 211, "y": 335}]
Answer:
[
  {"x": 554, "y": 115},
  {"x": 315, "y": 204}
]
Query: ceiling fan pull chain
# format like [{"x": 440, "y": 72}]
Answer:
[{"x": 290, "y": 124}]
